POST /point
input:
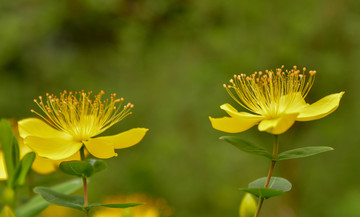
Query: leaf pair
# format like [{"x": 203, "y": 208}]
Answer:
[
  {"x": 287, "y": 155},
  {"x": 277, "y": 186},
  {"x": 74, "y": 201},
  {"x": 83, "y": 168}
]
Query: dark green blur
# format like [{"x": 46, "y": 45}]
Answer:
[{"x": 170, "y": 59}]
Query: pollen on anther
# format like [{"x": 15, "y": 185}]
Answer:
[{"x": 312, "y": 72}]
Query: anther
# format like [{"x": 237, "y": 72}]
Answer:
[{"x": 312, "y": 72}]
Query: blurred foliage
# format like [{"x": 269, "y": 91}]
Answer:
[{"x": 170, "y": 58}]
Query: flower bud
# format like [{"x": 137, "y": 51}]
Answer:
[{"x": 248, "y": 206}]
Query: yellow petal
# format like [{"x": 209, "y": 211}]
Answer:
[
  {"x": 38, "y": 128},
  {"x": 234, "y": 113},
  {"x": 100, "y": 148},
  {"x": 278, "y": 125},
  {"x": 56, "y": 148},
  {"x": 292, "y": 103},
  {"x": 24, "y": 149},
  {"x": 233, "y": 125},
  {"x": 127, "y": 138},
  {"x": 3, "y": 173},
  {"x": 321, "y": 108},
  {"x": 43, "y": 165},
  {"x": 76, "y": 156},
  {"x": 238, "y": 122}
]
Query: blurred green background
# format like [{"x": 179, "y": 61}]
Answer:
[{"x": 170, "y": 59}]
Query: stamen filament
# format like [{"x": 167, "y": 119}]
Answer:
[{"x": 263, "y": 92}]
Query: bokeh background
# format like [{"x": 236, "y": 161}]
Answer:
[{"x": 170, "y": 58}]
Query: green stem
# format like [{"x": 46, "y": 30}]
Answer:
[
  {"x": 275, "y": 152},
  {"x": 86, "y": 203}
]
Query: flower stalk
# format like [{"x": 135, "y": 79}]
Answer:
[
  {"x": 86, "y": 203},
  {"x": 273, "y": 162}
]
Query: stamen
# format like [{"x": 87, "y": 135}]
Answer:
[
  {"x": 79, "y": 115},
  {"x": 269, "y": 93}
]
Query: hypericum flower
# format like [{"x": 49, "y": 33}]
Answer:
[
  {"x": 276, "y": 100},
  {"x": 73, "y": 120},
  {"x": 151, "y": 208}
]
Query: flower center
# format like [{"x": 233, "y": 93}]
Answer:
[
  {"x": 80, "y": 116},
  {"x": 270, "y": 93}
]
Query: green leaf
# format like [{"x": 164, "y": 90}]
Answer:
[
  {"x": 276, "y": 183},
  {"x": 38, "y": 204},
  {"x": 98, "y": 165},
  {"x": 7, "y": 212},
  {"x": 77, "y": 168},
  {"x": 7, "y": 142},
  {"x": 263, "y": 192},
  {"x": 15, "y": 151},
  {"x": 115, "y": 205},
  {"x": 54, "y": 197},
  {"x": 247, "y": 146},
  {"x": 23, "y": 169},
  {"x": 277, "y": 186},
  {"x": 303, "y": 152}
]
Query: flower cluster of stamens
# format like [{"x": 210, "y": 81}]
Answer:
[
  {"x": 269, "y": 93},
  {"x": 80, "y": 115}
]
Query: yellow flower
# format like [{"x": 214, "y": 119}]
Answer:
[
  {"x": 151, "y": 208},
  {"x": 72, "y": 120},
  {"x": 276, "y": 100}
]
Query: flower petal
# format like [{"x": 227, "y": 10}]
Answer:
[
  {"x": 100, "y": 148},
  {"x": 233, "y": 125},
  {"x": 3, "y": 173},
  {"x": 103, "y": 147},
  {"x": 235, "y": 114},
  {"x": 238, "y": 122},
  {"x": 43, "y": 165},
  {"x": 278, "y": 125},
  {"x": 292, "y": 103},
  {"x": 57, "y": 148},
  {"x": 127, "y": 138},
  {"x": 321, "y": 108},
  {"x": 38, "y": 128}
]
